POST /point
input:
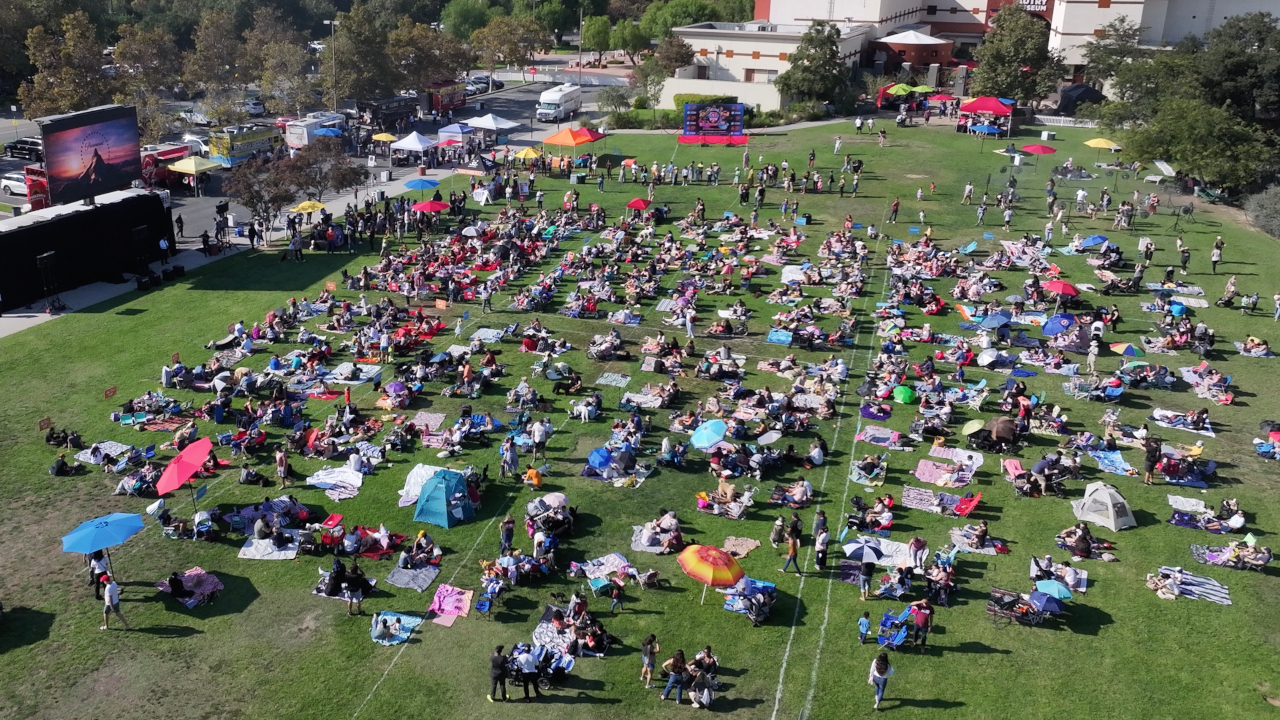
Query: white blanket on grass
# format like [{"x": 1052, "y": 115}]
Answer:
[
  {"x": 1187, "y": 505},
  {"x": 367, "y": 373},
  {"x": 487, "y": 335},
  {"x": 110, "y": 447},
  {"x": 1162, "y": 417},
  {"x": 266, "y": 550},
  {"x": 419, "y": 475}
]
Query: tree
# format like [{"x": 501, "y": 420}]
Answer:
[
  {"x": 360, "y": 53},
  {"x": 508, "y": 41},
  {"x": 423, "y": 55},
  {"x": 614, "y": 98},
  {"x": 146, "y": 66},
  {"x": 215, "y": 63},
  {"x": 1118, "y": 45},
  {"x": 816, "y": 71},
  {"x": 673, "y": 54},
  {"x": 1014, "y": 60},
  {"x": 630, "y": 39},
  {"x": 1264, "y": 210},
  {"x": 660, "y": 16},
  {"x": 596, "y": 36},
  {"x": 738, "y": 10},
  {"x": 1240, "y": 65},
  {"x": 275, "y": 56},
  {"x": 321, "y": 167},
  {"x": 1202, "y": 140},
  {"x": 555, "y": 17},
  {"x": 462, "y": 18},
  {"x": 620, "y": 10},
  {"x": 1142, "y": 87},
  {"x": 646, "y": 81},
  {"x": 16, "y": 21},
  {"x": 264, "y": 189},
  {"x": 68, "y": 66}
]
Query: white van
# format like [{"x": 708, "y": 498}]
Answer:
[{"x": 559, "y": 103}]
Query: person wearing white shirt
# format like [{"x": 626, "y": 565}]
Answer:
[
  {"x": 538, "y": 433},
  {"x": 815, "y": 455},
  {"x": 528, "y": 674},
  {"x": 111, "y": 602}
]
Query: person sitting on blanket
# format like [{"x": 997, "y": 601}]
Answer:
[
  {"x": 1194, "y": 420},
  {"x": 1257, "y": 557},
  {"x": 177, "y": 589},
  {"x": 169, "y": 522},
  {"x": 1256, "y": 345},
  {"x": 800, "y": 492},
  {"x": 1067, "y": 574},
  {"x": 976, "y": 536},
  {"x": 674, "y": 542},
  {"x": 1164, "y": 585},
  {"x": 1078, "y": 540},
  {"x": 869, "y": 464},
  {"x": 1233, "y": 524}
]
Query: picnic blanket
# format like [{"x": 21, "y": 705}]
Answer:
[
  {"x": 1199, "y": 587},
  {"x": 266, "y": 550},
  {"x": 164, "y": 424},
  {"x": 1191, "y": 302},
  {"x": 1149, "y": 344},
  {"x": 1240, "y": 348},
  {"x": 1162, "y": 417},
  {"x": 407, "y": 624},
  {"x": 338, "y": 483},
  {"x": 917, "y": 498},
  {"x": 958, "y": 539},
  {"x": 1187, "y": 505},
  {"x": 1112, "y": 462},
  {"x": 547, "y": 634},
  {"x": 344, "y": 594},
  {"x": 639, "y": 546},
  {"x": 665, "y": 305},
  {"x": 884, "y": 437},
  {"x": 203, "y": 585},
  {"x": 614, "y": 379},
  {"x": 642, "y": 400},
  {"x": 954, "y": 454},
  {"x": 450, "y": 600},
  {"x": 367, "y": 374},
  {"x": 895, "y": 554},
  {"x": 792, "y": 273},
  {"x": 110, "y": 447},
  {"x": 1176, "y": 287},
  {"x": 739, "y": 547},
  {"x": 487, "y": 335},
  {"x": 413, "y": 579},
  {"x": 940, "y": 474},
  {"x": 430, "y": 421},
  {"x": 779, "y": 337}
]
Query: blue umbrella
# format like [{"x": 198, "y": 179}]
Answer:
[
  {"x": 997, "y": 319},
  {"x": 988, "y": 129},
  {"x": 1093, "y": 240},
  {"x": 600, "y": 457},
  {"x": 709, "y": 433},
  {"x": 1046, "y": 603},
  {"x": 1057, "y": 324},
  {"x": 101, "y": 533},
  {"x": 421, "y": 184},
  {"x": 1053, "y": 588},
  {"x": 329, "y": 132}
]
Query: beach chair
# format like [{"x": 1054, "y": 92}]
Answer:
[
  {"x": 966, "y": 505},
  {"x": 647, "y": 580},
  {"x": 946, "y": 560},
  {"x": 968, "y": 249},
  {"x": 1110, "y": 395},
  {"x": 126, "y": 419},
  {"x": 894, "y": 641}
]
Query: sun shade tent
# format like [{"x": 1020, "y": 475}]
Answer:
[
  {"x": 444, "y": 500},
  {"x": 986, "y": 106},
  {"x": 1103, "y": 505},
  {"x": 573, "y": 137},
  {"x": 194, "y": 165},
  {"x": 456, "y": 131},
  {"x": 413, "y": 142},
  {"x": 490, "y": 122}
]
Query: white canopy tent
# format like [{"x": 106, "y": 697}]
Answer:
[
  {"x": 491, "y": 122},
  {"x": 413, "y": 142},
  {"x": 1104, "y": 505}
]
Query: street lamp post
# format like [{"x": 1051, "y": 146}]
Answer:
[
  {"x": 579, "y": 46},
  {"x": 333, "y": 49}
]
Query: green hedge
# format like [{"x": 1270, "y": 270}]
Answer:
[{"x": 681, "y": 98}]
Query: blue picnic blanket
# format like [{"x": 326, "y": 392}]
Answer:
[
  {"x": 407, "y": 624},
  {"x": 780, "y": 337},
  {"x": 1111, "y": 462}
]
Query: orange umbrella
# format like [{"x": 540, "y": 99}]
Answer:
[
  {"x": 710, "y": 566},
  {"x": 182, "y": 467}
]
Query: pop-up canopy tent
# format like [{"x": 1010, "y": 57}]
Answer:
[
  {"x": 1103, "y": 505},
  {"x": 456, "y": 131},
  {"x": 413, "y": 142},
  {"x": 490, "y": 122},
  {"x": 444, "y": 500}
]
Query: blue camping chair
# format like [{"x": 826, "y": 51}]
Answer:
[
  {"x": 149, "y": 452},
  {"x": 967, "y": 249}
]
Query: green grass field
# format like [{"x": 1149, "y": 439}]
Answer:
[{"x": 267, "y": 648}]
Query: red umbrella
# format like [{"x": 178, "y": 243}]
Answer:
[
  {"x": 1039, "y": 149},
  {"x": 1061, "y": 287},
  {"x": 639, "y": 204},
  {"x": 431, "y": 206},
  {"x": 182, "y": 467},
  {"x": 941, "y": 98}
]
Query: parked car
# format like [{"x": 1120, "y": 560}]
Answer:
[
  {"x": 14, "y": 183},
  {"x": 254, "y": 107},
  {"x": 283, "y": 121},
  {"x": 484, "y": 80},
  {"x": 198, "y": 144},
  {"x": 27, "y": 148},
  {"x": 197, "y": 117}
]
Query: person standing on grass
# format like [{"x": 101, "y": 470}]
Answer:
[
  {"x": 924, "y": 621},
  {"x": 820, "y": 549},
  {"x": 1152, "y": 457},
  {"x": 893, "y": 210},
  {"x": 1008, "y": 218},
  {"x": 864, "y": 578},
  {"x": 982, "y": 212},
  {"x": 97, "y": 571},
  {"x": 882, "y": 137},
  {"x": 497, "y": 674},
  {"x": 111, "y": 602},
  {"x": 864, "y": 627},
  {"x": 880, "y": 672},
  {"x": 1276, "y": 299},
  {"x": 838, "y": 143},
  {"x": 528, "y": 674},
  {"x": 793, "y": 551},
  {"x": 677, "y": 668},
  {"x": 648, "y": 650},
  {"x": 1215, "y": 257},
  {"x": 967, "y": 198},
  {"x": 615, "y": 598}
]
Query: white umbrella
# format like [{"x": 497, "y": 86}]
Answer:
[
  {"x": 491, "y": 122},
  {"x": 864, "y": 550},
  {"x": 471, "y": 232},
  {"x": 222, "y": 380},
  {"x": 988, "y": 356},
  {"x": 413, "y": 142},
  {"x": 555, "y": 499},
  {"x": 772, "y": 436}
]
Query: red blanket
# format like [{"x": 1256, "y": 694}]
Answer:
[{"x": 379, "y": 553}]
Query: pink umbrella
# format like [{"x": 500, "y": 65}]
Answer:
[{"x": 182, "y": 467}]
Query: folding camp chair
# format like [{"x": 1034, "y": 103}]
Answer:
[
  {"x": 967, "y": 249},
  {"x": 126, "y": 419},
  {"x": 139, "y": 418},
  {"x": 948, "y": 559},
  {"x": 149, "y": 452}
]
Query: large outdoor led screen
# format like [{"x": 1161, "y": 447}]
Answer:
[{"x": 92, "y": 152}]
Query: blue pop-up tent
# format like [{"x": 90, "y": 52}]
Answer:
[{"x": 444, "y": 500}]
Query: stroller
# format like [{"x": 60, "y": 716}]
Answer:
[
  {"x": 553, "y": 666},
  {"x": 759, "y": 605}
]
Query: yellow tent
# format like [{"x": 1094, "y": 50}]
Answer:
[
  {"x": 385, "y": 137},
  {"x": 194, "y": 165},
  {"x": 528, "y": 154},
  {"x": 307, "y": 207}
]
